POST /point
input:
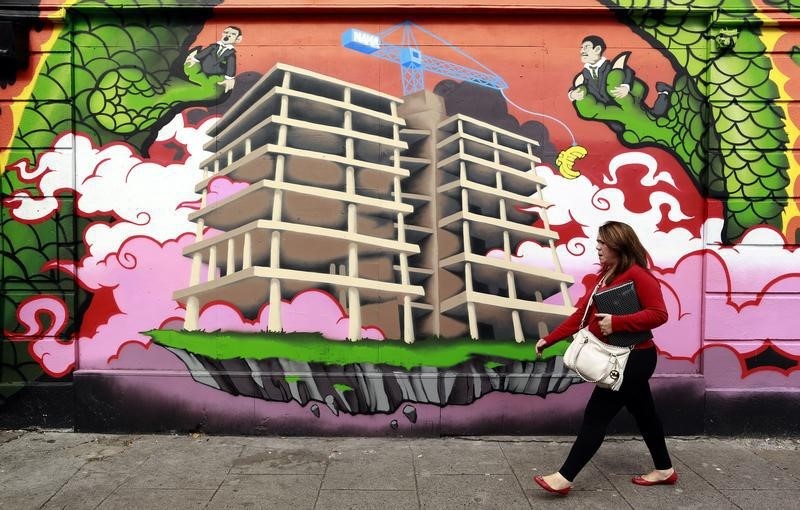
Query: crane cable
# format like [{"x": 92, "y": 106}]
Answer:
[{"x": 566, "y": 159}]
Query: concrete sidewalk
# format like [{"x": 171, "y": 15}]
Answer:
[{"x": 62, "y": 469}]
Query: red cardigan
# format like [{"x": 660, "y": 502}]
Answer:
[{"x": 652, "y": 314}]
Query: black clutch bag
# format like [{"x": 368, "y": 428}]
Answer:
[{"x": 621, "y": 300}]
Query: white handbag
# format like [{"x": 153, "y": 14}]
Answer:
[{"x": 594, "y": 360}]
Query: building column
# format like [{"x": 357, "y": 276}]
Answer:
[
  {"x": 230, "y": 265},
  {"x": 212, "y": 264},
  {"x": 192, "y": 318},
  {"x": 472, "y": 317},
  {"x": 408, "y": 322},
  {"x": 275, "y": 321},
  {"x": 353, "y": 296},
  {"x": 408, "y": 319},
  {"x": 197, "y": 263},
  {"x": 519, "y": 335},
  {"x": 516, "y": 322},
  {"x": 190, "y": 323},
  {"x": 342, "y": 290},
  {"x": 247, "y": 251},
  {"x": 543, "y": 329}
]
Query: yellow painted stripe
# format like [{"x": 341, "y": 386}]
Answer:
[
  {"x": 770, "y": 37},
  {"x": 18, "y": 104}
]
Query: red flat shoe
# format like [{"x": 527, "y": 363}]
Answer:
[
  {"x": 670, "y": 480},
  {"x": 546, "y": 486}
]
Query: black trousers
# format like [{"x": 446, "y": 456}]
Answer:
[{"x": 604, "y": 404}]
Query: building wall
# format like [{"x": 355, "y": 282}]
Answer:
[{"x": 110, "y": 132}]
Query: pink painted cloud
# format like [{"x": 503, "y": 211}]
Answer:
[{"x": 309, "y": 311}]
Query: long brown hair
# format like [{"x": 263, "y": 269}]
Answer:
[{"x": 621, "y": 238}]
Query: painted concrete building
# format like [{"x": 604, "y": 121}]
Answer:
[
  {"x": 473, "y": 196},
  {"x": 323, "y": 196},
  {"x": 324, "y": 163}
]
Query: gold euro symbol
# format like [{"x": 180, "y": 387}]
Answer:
[{"x": 566, "y": 160}]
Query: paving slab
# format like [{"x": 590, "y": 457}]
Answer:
[
  {"x": 44, "y": 444},
  {"x": 761, "y": 499},
  {"x": 470, "y": 491},
  {"x": 118, "y": 455},
  {"x": 272, "y": 460},
  {"x": 201, "y": 466},
  {"x": 174, "y": 499},
  {"x": 30, "y": 471},
  {"x": 691, "y": 491},
  {"x": 598, "y": 499},
  {"x": 347, "y": 499},
  {"x": 297, "y": 492},
  {"x": 10, "y": 435},
  {"x": 528, "y": 459},
  {"x": 786, "y": 460},
  {"x": 371, "y": 466},
  {"x": 86, "y": 489},
  {"x": 459, "y": 457},
  {"x": 623, "y": 457},
  {"x": 728, "y": 465}
]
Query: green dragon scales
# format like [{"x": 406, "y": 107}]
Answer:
[
  {"x": 113, "y": 74},
  {"x": 722, "y": 123}
]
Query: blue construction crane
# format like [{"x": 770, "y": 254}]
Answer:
[{"x": 413, "y": 63}]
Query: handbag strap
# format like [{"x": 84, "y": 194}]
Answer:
[{"x": 591, "y": 298}]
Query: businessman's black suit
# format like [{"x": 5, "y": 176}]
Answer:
[
  {"x": 212, "y": 63},
  {"x": 597, "y": 86}
]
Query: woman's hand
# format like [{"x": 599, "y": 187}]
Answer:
[
  {"x": 540, "y": 345},
  {"x": 604, "y": 319}
]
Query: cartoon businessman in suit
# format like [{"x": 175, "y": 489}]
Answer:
[
  {"x": 593, "y": 77},
  {"x": 219, "y": 58}
]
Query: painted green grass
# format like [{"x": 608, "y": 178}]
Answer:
[{"x": 313, "y": 348}]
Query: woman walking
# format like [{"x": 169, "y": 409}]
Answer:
[{"x": 622, "y": 259}]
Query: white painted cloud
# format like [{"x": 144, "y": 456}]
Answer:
[{"x": 144, "y": 197}]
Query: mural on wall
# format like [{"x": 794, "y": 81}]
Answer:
[
  {"x": 117, "y": 91},
  {"x": 237, "y": 212}
]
